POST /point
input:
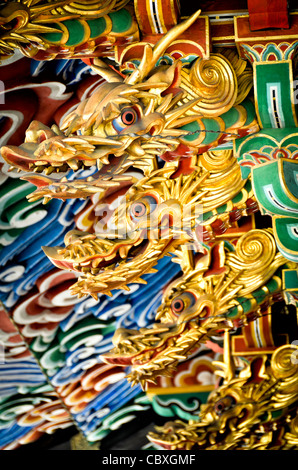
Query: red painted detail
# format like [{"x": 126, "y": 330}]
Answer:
[
  {"x": 268, "y": 14},
  {"x": 252, "y": 206},
  {"x": 272, "y": 57},
  {"x": 216, "y": 266},
  {"x": 181, "y": 151},
  {"x": 234, "y": 215},
  {"x": 218, "y": 227},
  {"x": 186, "y": 167},
  {"x": 256, "y": 368},
  {"x": 207, "y": 236}
]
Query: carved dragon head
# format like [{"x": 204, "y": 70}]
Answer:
[
  {"x": 250, "y": 411},
  {"x": 158, "y": 213},
  {"x": 23, "y": 23},
  {"x": 154, "y": 217},
  {"x": 206, "y": 299},
  {"x": 129, "y": 122}
]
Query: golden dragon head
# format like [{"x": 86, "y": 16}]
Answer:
[
  {"x": 23, "y": 23},
  {"x": 134, "y": 117},
  {"x": 228, "y": 282},
  {"x": 251, "y": 411},
  {"x": 159, "y": 212},
  {"x": 131, "y": 118}
]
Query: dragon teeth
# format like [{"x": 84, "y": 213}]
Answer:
[
  {"x": 123, "y": 251},
  {"x": 108, "y": 258},
  {"x": 96, "y": 262}
]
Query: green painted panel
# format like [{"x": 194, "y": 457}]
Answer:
[
  {"x": 53, "y": 37},
  {"x": 259, "y": 295},
  {"x": 273, "y": 93},
  {"x": 291, "y": 279},
  {"x": 286, "y": 229},
  {"x": 191, "y": 127},
  {"x": 230, "y": 117},
  {"x": 211, "y": 125},
  {"x": 290, "y": 170}
]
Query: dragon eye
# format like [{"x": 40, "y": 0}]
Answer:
[
  {"x": 182, "y": 302},
  {"x": 144, "y": 206},
  {"x": 138, "y": 209},
  {"x": 127, "y": 117},
  {"x": 224, "y": 404},
  {"x": 177, "y": 305}
]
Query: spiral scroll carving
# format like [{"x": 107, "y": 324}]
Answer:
[
  {"x": 285, "y": 362},
  {"x": 256, "y": 248},
  {"x": 243, "y": 72},
  {"x": 216, "y": 83},
  {"x": 256, "y": 257},
  {"x": 218, "y": 160}
]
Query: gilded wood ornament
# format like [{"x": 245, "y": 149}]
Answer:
[
  {"x": 194, "y": 125},
  {"x": 227, "y": 287},
  {"x": 254, "y": 408}
]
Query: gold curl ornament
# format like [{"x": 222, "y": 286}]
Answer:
[
  {"x": 256, "y": 247},
  {"x": 243, "y": 72},
  {"x": 214, "y": 80},
  {"x": 224, "y": 180},
  {"x": 284, "y": 362},
  {"x": 216, "y": 161},
  {"x": 256, "y": 257}
]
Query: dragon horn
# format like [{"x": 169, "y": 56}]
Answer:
[
  {"x": 151, "y": 55},
  {"x": 110, "y": 75}
]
